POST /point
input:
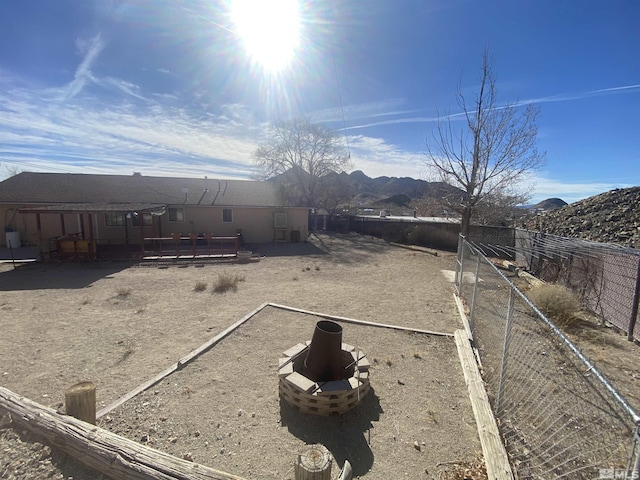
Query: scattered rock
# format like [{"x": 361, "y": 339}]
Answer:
[{"x": 606, "y": 218}]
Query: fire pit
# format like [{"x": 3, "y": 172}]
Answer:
[{"x": 324, "y": 376}]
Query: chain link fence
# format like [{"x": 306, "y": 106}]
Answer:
[
  {"x": 606, "y": 277},
  {"x": 559, "y": 416}
]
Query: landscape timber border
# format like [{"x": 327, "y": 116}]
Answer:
[{"x": 123, "y": 451}]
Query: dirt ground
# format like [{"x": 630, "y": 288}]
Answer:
[{"x": 119, "y": 325}]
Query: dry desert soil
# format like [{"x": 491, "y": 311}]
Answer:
[{"x": 118, "y": 325}]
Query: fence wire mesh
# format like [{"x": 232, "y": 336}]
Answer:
[
  {"x": 559, "y": 416},
  {"x": 606, "y": 277}
]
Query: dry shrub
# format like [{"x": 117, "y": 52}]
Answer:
[
  {"x": 123, "y": 292},
  {"x": 200, "y": 286},
  {"x": 556, "y": 302},
  {"x": 226, "y": 282}
]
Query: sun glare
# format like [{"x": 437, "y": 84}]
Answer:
[{"x": 270, "y": 30}]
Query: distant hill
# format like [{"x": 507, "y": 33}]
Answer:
[
  {"x": 549, "y": 204},
  {"x": 394, "y": 190},
  {"x": 610, "y": 217},
  {"x": 401, "y": 200},
  {"x": 388, "y": 191}
]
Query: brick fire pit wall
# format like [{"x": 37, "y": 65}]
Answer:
[{"x": 323, "y": 398}]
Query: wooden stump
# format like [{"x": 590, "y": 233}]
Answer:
[
  {"x": 347, "y": 471},
  {"x": 80, "y": 402},
  {"x": 314, "y": 464}
]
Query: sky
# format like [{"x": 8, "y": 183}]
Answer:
[{"x": 190, "y": 87}]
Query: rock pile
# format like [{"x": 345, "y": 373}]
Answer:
[{"x": 611, "y": 217}]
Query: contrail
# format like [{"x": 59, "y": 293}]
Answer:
[{"x": 83, "y": 72}]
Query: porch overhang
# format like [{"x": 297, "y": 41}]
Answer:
[{"x": 91, "y": 208}]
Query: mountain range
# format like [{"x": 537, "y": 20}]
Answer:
[{"x": 367, "y": 191}]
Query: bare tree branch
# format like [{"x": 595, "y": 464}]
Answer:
[
  {"x": 489, "y": 158},
  {"x": 301, "y": 153}
]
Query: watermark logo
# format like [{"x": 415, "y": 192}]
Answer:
[{"x": 616, "y": 473}]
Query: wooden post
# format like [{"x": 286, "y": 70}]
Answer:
[
  {"x": 39, "y": 227},
  {"x": 91, "y": 244},
  {"x": 101, "y": 450},
  {"x": 80, "y": 402},
  {"x": 314, "y": 464}
]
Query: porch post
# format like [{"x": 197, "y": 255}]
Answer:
[
  {"x": 39, "y": 227},
  {"x": 64, "y": 230},
  {"x": 141, "y": 216},
  {"x": 92, "y": 250},
  {"x": 126, "y": 235}
]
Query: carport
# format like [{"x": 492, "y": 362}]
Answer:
[{"x": 83, "y": 244}]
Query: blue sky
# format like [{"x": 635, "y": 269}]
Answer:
[{"x": 171, "y": 87}]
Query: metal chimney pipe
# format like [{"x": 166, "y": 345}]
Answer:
[{"x": 324, "y": 360}]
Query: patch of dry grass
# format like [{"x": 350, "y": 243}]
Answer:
[
  {"x": 227, "y": 281},
  {"x": 557, "y": 303},
  {"x": 123, "y": 292}
]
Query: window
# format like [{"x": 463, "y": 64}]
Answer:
[
  {"x": 280, "y": 220},
  {"x": 145, "y": 218},
  {"x": 114, "y": 219},
  {"x": 176, "y": 214},
  {"x": 227, "y": 215}
]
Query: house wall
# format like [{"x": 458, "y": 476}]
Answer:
[{"x": 256, "y": 224}]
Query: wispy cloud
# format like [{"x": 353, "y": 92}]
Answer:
[
  {"x": 357, "y": 111},
  {"x": 91, "y": 50},
  {"x": 567, "y": 97},
  {"x": 626, "y": 89},
  {"x": 157, "y": 137},
  {"x": 376, "y": 157}
]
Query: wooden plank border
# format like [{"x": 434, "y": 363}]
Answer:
[
  {"x": 179, "y": 365},
  {"x": 102, "y": 450},
  {"x": 182, "y": 362},
  {"x": 493, "y": 450},
  {"x": 463, "y": 317},
  {"x": 359, "y": 322}
]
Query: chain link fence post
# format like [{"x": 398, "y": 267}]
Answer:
[
  {"x": 459, "y": 265},
  {"x": 634, "y": 307},
  {"x": 505, "y": 350}
]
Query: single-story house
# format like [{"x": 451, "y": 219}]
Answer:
[{"x": 137, "y": 210}]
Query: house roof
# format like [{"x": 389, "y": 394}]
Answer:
[
  {"x": 66, "y": 188},
  {"x": 152, "y": 208}
]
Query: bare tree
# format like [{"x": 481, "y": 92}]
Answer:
[
  {"x": 301, "y": 153},
  {"x": 11, "y": 170},
  {"x": 491, "y": 155},
  {"x": 333, "y": 192}
]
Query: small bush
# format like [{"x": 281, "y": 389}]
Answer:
[
  {"x": 123, "y": 292},
  {"x": 556, "y": 302},
  {"x": 226, "y": 282},
  {"x": 200, "y": 286}
]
